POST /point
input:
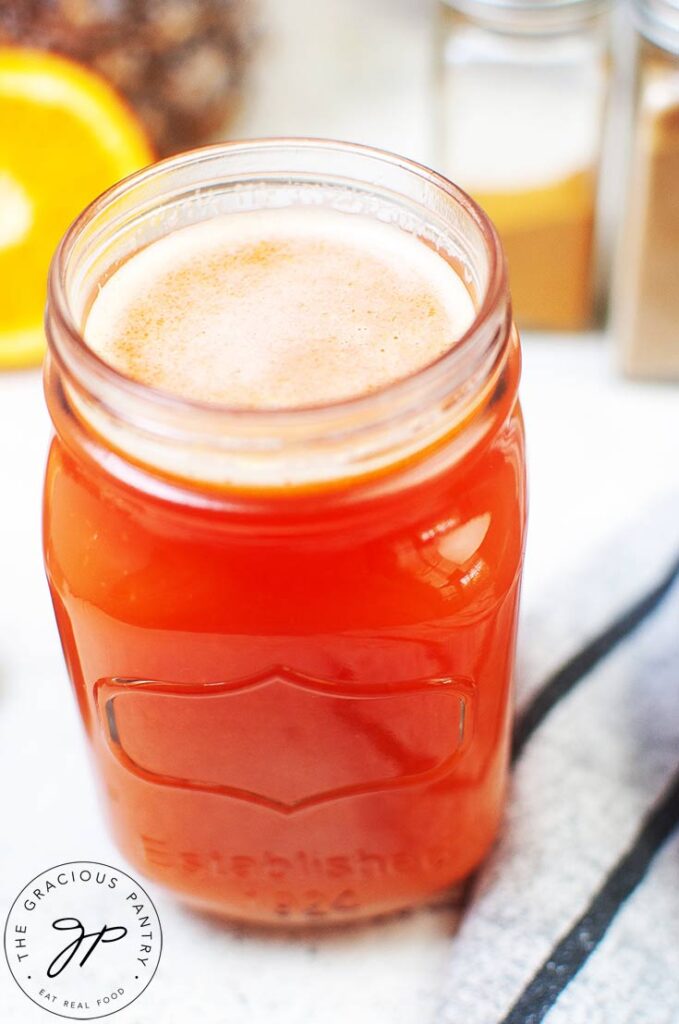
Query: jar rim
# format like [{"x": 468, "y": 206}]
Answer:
[
  {"x": 60, "y": 305},
  {"x": 78, "y": 361},
  {"x": 532, "y": 16},
  {"x": 658, "y": 21}
]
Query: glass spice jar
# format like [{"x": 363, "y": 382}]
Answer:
[
  {"x": 179, "y": 63},
  {"x": 646, "y": 294},
  {"x": 522, "y": 87}
]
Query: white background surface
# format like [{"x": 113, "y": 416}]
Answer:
[{"x": 601, "y": 451}]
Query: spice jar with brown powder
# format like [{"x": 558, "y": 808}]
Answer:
[
  {"x": 522, "y": 97},
  {"x": 646, "y": 298}
]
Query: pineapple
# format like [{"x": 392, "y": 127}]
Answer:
[{"x": 179, "y": 63}]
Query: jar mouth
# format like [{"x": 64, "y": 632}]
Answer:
[
  {"x": 60, "y": 307},
  {"x": 91, "y": 239}
]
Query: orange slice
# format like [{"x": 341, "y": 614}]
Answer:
[{"x": 65, "y": 136}]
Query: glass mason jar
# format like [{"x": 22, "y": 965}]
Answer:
[
  {"x": 291, "y": 632},
  {"x": 522, "y": 88},
  {"x": 646, "y": 294}
]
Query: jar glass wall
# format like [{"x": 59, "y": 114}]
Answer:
[{"x": 291, "y": 632}]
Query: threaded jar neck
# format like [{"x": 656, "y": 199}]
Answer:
[{"x": 265, "y": 448}]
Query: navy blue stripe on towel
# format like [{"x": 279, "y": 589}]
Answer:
[
  {"x": 569, "y": 955},
  {"x": 567, "y": 677}
]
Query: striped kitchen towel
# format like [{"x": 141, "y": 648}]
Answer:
[{"x": 574, "y": 919}]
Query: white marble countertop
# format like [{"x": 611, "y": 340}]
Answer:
[{"x": 601, "y": 449}]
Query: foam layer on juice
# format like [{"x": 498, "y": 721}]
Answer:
[{"x": 279, "y": 308}]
